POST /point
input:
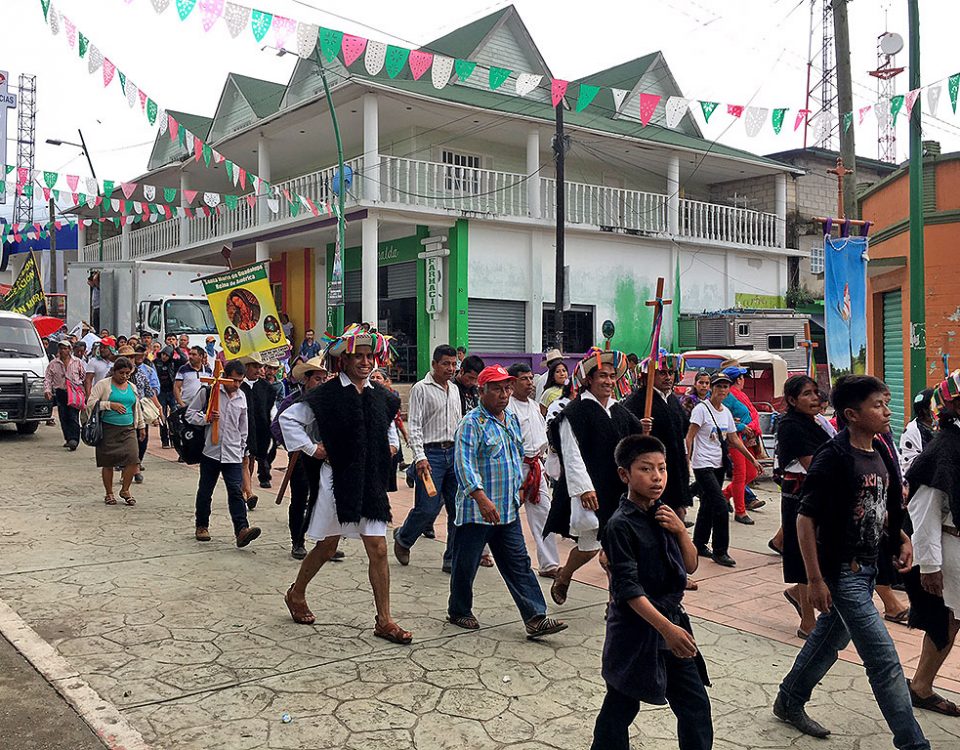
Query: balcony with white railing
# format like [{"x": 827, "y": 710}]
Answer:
[{"x": 410, "y": 184}]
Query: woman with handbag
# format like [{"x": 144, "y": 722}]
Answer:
[
  {"x": 122, "y": 421},
  {"x": 712, "y": 432},
  {"x": 63, "y": 383}
]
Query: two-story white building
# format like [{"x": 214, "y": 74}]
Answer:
[{"x": 476, "y": 166}]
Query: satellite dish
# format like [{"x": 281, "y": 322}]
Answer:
[{"x": 891, "y": 44}]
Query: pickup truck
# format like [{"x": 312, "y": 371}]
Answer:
[{"x": 22, "y": 365}]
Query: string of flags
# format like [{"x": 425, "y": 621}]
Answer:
[
  {"x": 168, "y": 124},
  {"x": 303, "y": 38}
]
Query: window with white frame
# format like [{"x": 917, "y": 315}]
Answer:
[
  {"x": 743, "y": 329},
  {"x": 816, "y": 259},
  {"x": 462, "y": 172}
]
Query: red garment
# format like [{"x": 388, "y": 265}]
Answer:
[
  {"x": 745, "y": 400},
  {"x": 530, "y": 490},
  {"x": 743, "y": 474}
]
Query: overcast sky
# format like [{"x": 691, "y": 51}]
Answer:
[{"x": 736, "y": 51}]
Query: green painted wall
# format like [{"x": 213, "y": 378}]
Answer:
[
  {"x": 633, "y": 318},
  {"x": 457, "y": 288},
  {"x": 334, "y": 314},
  {"x": 759, "y": 301}
]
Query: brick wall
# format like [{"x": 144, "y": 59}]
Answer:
[{"x": 756, "y": 193}]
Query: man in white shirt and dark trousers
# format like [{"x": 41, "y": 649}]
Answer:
[
  {"x": 534, "y": 493},
  {"x": 225, "y": 457},
  {"x": 435, "y": 413}
]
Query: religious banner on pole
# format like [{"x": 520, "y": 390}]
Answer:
[
  {"x": 26, "y": 294},
  {"x": 845, "y": 304},
  {"x": 245, "y": 312}
]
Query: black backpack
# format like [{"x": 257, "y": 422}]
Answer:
[{"x": 190, "y": 438}]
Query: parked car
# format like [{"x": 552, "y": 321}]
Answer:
[{"x": 22, "y": 366}]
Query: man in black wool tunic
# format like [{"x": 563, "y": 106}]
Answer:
[{"x": 354, "y": 419}]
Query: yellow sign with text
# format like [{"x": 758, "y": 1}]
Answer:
[{"x": 245, "y": 312}]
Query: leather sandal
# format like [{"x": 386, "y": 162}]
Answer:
[
  {"x": 128, "y": 499},
  {"x": 300, "y": 613},
  {"x": 110, "y": 499},
  {"x": 392, "y": 632},
  {"x": 467, "y": 622},
  {"x": 543, "y": 625},
  {"x": 558, "y": 591}
]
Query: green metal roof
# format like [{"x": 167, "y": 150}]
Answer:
[
  {"x": 199, "y": 126},
  {"x": 623, "y": 76},
  {"x": 464, "y": 41},
  {"x": 264, "y": 97}
]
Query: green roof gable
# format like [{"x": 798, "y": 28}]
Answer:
[
  {"x": 464, "y": 41},
  {"x": 623, "y": 76},
  {"x": 196, "y": 124},
  {"x": 264, "y": 97}
]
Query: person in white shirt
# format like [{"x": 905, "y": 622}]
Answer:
[
  {"x": 99, "y": 366},
  {"x": 919, "y": 431},
  {"x": 187, "y": 381},
  {"x": 540, "y": 381},
  {"x": 934, "y": 583},
  {"x": 225, "y": 457},
  {"x": 534, "y": 493},
  {"x": 435, "y": 412},
  {"x": 712, "y": 425}
]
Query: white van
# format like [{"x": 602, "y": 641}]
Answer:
[{"x": 22, "y": 365}]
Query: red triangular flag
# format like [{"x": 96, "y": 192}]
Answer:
[
  {"x": 735, "y": 109},
  {"x": 190, "y": 195},
  {"x": 251, "y": 200},
  {"x": 558, "y": 88},
  {"x": 648, "y": 105},
  {"x": 128, "y": 188}
]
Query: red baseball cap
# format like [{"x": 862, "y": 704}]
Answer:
[{"x": 493, "y": 374}]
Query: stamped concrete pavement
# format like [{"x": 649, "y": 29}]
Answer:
[{"x": 193, "y": 648}]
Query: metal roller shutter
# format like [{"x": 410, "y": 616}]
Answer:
[
  {"x": 402, "y": 281},
  {"x": 352, "y": 285},
  {"x": 497, "y": 325},
  {"x": 893, "y": 357}
]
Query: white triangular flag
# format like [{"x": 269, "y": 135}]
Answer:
[
  {"x": 306, "y": 39},
  {"x": 211, "y": 199},
  {"x": 131, "y": 92},
  {"x": 933, "y": 98},
  {"x": 54, "y": 20},
  {"x": 237, "y": 17},
  {"x": 675, "y": 108},
  {"x": 441, "y": 71},
  {"x": 115, "y": 204},
  {"x": 375, "y": 57},
  {"x": 618, "y": 96},
  {"x": 149, "y": 192},
  {"x": 527, "y": 82},
  {"x": 160, "y": 5},
  {"x": 273, "y": 204},
  {"x": 754, "y": 118},
  {"x": 94, "y": 59},
  {"x": 162, "y": 117}
]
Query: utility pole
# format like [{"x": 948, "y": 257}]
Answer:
[
  {"x": 52, "y": 266},
  {"x": 93, "y": 174},
  {"x": 918, "y": 307},
  {"x": 848, "y": 150},
  {"x": 559, "y": 150}
]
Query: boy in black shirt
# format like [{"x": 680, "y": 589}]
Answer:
[
  {"x": 649, "y": 654},
  {"x": 851, "y": 499}
]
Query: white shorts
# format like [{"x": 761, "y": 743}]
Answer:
[
  {"x": 324, "y": 522},
  {"x": 585, "y": 526},
  {"x": 588, "y": 541}
]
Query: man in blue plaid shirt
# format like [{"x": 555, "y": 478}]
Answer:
[{"x": 488, "y": 460}]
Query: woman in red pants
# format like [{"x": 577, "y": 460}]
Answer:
[{"x": 748, "y": 428}]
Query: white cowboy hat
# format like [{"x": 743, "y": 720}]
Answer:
[{"x": 301, "y": 369}]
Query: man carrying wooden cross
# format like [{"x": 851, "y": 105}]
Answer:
[{"x": 222, "y": 407}]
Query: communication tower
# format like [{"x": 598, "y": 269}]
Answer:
[
  {"x": 821, "y": 100},
  {"x": 26, "y": 144},
  {"x": 888, "y": 45}
]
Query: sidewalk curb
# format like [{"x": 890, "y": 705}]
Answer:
[{"x": 101, "y": 716}]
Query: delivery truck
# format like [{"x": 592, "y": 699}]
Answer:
[{"x": 136, "y": 296}]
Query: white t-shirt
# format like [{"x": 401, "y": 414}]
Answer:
[
  {"x": 707, "y": 453},
  {"x": 99, "y": 367}
]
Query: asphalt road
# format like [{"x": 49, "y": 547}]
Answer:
[{"x": 33, "y": 716}]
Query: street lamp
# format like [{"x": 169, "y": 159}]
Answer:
[{"x": 83, "y": 147}]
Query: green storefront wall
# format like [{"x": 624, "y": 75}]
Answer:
[{"x": 405, "y": 250}]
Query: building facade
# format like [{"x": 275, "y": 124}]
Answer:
[
  {"x": 475, "y": 168},
  {"x": 887, "y": 205}
]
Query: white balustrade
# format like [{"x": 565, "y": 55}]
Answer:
[
  {"x": 155, "y": 239},
  {"x": 606, "y": 207},
  {"x": 727, "y": 224}
]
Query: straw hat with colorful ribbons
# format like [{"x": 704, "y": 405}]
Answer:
[
  {"x": 596, "y": 357},
  {"x": 666, "y": 361},
  {"x": 353, "y": 336}
]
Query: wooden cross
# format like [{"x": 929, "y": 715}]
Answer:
[
  {"x": 809, "y": 344},
  {"x": 213, "y": 403},
  {"x": 658, "y": 304},
  {"x": 840, "y": 171}
]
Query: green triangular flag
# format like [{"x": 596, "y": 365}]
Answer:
[
  {"x": 185, "y": 7},
  {"x": 708, "y": 108},
  {"x": 498, "y": 76},
  {"x": 55, "y": 194},
  {"x": 778, "y": 115},
  {"x": 116, "y": 221},
  {"x": 847, "y": 121},
  {"x": 953, "y": 84},
  {"x": 108, "y": 188},
  {"x": 10, "y": 168},
  {"x": 260, "y": 23},
  {"x": 81, "y": 197},
  {"x": 83, "y": 43},
  {"x": 586, "y": 96},
  {"x": 396, "y": 59},
  {"x": 151, "y": 111},
  {"x": 464, "y": 69},
  {"x": 50, "y": 179},
  {"x": 330, "y": 42},
  {"x": 28, "y": 190},
  {"x": 232, "y": 201},
  {"x": 207, "y": 153},
  {"x": 294, "y": 208},
  {"x": 128, "y": 207},
  {"x": 896, "y": 104},
  {"x": 182, "y": 136},
  {"x": 46, "y": 8},
  {"x": 169, "y": 194},
  {"x": 123, "y": 82}
]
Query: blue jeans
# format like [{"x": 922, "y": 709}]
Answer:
[
  {"x": 426, "y": 509},
  {"x": 854, "y": 615},
  {"x": 510, "y": 553},
  {"x": 210, "y": 472}
]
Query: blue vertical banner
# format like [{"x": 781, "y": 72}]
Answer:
[{"x": 845, "y": 304}]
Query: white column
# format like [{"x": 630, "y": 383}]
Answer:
[
  {"x": 673, "y": 195},
  {"x": 184, "y": 221},
  {"x": 533, "y": 182},
  {"x": 59, "y": 268},
  {"x": 535, "y": 318},
  {"x": 781, "y": 209},
  {"x": 125, "y": 242},
  {"x": 369, "y": 306},
  {"x": 81, "y": 238},
  {"x": 371, "y": 148},
  {"x": 263, "y": 212}
]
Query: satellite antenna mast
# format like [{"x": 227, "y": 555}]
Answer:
[
  {"x": 888, "y": 45},
  {"x": 824, "y": 89},
  {"x": 26, "y": 144}
]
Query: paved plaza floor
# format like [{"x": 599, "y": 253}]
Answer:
[{"x": 161, "y": 642}]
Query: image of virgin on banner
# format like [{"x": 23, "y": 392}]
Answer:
[{"x": 845, "y": 304}]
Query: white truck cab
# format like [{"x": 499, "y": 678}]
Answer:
[
  {"x": 163, "y": 315},
  {"x": 22, "y": 366}
]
